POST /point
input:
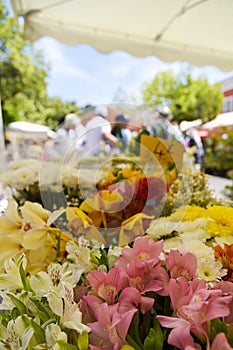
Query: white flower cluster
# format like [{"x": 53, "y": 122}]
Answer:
[{"x": 47, "y": 175}]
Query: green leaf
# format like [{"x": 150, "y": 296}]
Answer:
[
  {"x": 133, "y": 336},
  {"x": 132, "y": 342},
  {"x": 147, "y": 321},
  {"x": 65, "y": 346},
  {"x": 39, "y": 332},
  {"x": 19, "y": 305},
  {"x": 42, "y": 312},
  {"x": 24, "y": 278},
  {"x": 154, "y": 340},
  {"x": 83, "y": 341}
]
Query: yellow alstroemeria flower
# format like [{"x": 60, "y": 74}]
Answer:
[
  {"x": 131, "y": 228},
  {"x": 10, "y": 221},
  {"x": 11, "y": 233},
  {"x": 105, "y": 201},
  {"x": 37, "y": 230},
  {"x": 80, "y": 223}
]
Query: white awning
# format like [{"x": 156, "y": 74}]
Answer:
[
  {"x": 224, "y": 119},
  {"x": 197, "y": 31},
  {"x": 31, "y": 130}
]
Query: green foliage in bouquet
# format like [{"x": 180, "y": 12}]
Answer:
[{"x": 189, "y": 188}]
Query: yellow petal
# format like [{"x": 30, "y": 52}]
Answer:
[
  {"x": 34, "y": 238},
  {"x": 130, "y": 222},
  {"x": 34, "y": 213},
  {"x": 73, "y": 213},
  {"x": 10, "y": 220}
]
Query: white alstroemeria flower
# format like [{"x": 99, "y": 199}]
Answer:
[
  {"x": 6, "y": 302},
  {"x": 210, "y": 270},
  {"x": 72, "y": 316},
  {"x": 63, "y": 305},
  {"x": 55, "y": 301},
  {"x": 11, "y": 280},
  {"x": 16, "y": 336},
  {"x": 113, "y": 255},
  {"x": 53, "y": 334},
  {"x": 43, "y": 283},
  {"x": 80, "y": 255}
]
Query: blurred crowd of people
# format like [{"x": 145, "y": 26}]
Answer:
[{"x": 99, "y": 135}]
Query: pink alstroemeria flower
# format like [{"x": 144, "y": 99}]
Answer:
[
  {"x": 227, "y": 289},
  {"x": 107, "y": 285},
  {"x": 144, "y": 250},
  {"x": 181, "y": 291},
  {"x": 220, "y": 343},
  {"x": 143, "y": 281},
  {"x": 130, "y": 298},
  {"x": 111, "y": 328},
  {"x": 181, "y": 264},
  {"x": 89, "y": 306},
  {"x": 199, "y": 307}
]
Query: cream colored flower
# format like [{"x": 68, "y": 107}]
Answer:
[
  {"x": 200, "y": 249},
  {"x": 11, "y": 280},
  {"x": 223, "y": 240},
  {"x": 17, "y": 335},
  {"x": 23, "y": 178},
  {"x": 44, "y": 283},
  {"x": 172, "y": 243},
  {"x": 210, "y": 270},
  {"x": 162, "y": 227},
  {"x": 80, "y": 255},
  {"x": 64, "y": 306}
]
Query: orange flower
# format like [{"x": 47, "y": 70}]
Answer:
[{"x": 225, "y": 255}]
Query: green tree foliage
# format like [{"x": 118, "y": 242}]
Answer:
[
  {"x": 23, "y": 74},
  {"x": 189, "y": 99}
]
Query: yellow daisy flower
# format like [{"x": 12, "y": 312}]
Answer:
[{"x": 222, "y": 223}]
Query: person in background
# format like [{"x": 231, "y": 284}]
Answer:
[
  {"x": 121, "y": 131},
  {"x": 193, "y": 145},
  {"x": 71, "y": 134},
  {"x": 163, "y": 128},
  {"x": 99, "y": 131}
]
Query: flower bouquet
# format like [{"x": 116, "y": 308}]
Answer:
[{"x": 63, "y": 288}]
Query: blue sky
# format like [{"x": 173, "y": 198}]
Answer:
[{"x": 87, "y": 76}]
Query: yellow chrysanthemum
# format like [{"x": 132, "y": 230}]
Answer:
[
  {"x": 190, "y": 213},
  {"x": 222, "y": 223}
]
